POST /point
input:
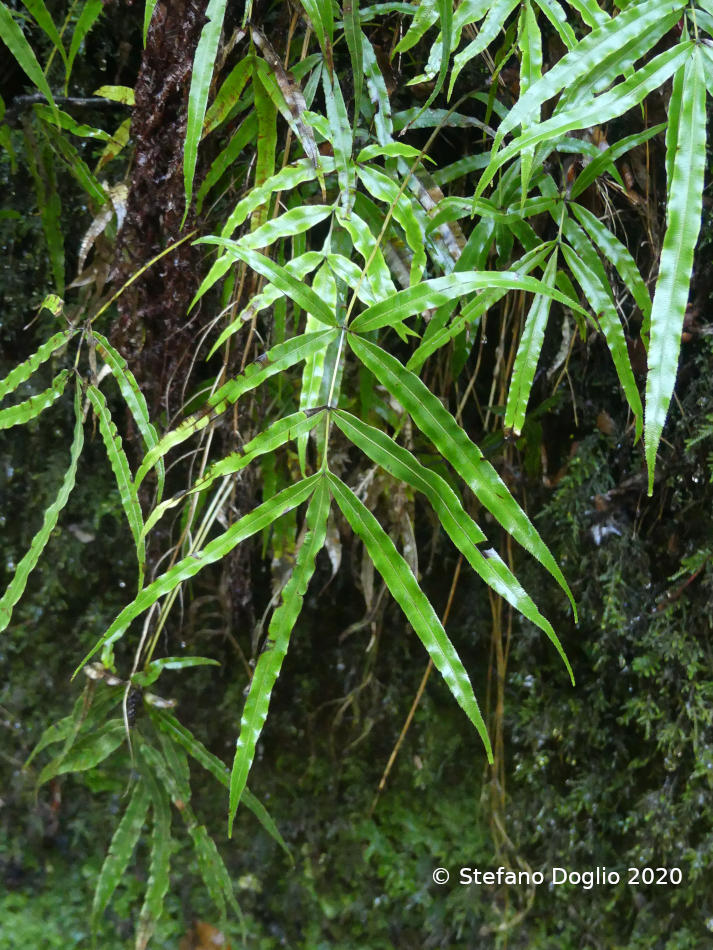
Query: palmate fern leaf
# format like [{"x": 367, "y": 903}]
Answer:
[
  {"x": 461, "y": 529},
  {"x": 603, "y": 108},
  {"x": 276, "y": 360},
  {"x": 452, "y": 442},
  {"x": 620, "y": 41},
  {"x": 176, "y": 734},
  {"x": 294, "y": 426}
]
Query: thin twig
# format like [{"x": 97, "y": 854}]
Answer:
[{"x": 417, "y": 697}]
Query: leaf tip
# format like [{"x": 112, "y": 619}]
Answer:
[{"x": 651, "y": 465}]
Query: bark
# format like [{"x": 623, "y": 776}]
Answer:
[{"x": 151, "y": 331}]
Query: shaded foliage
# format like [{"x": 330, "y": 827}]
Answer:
[{"x": 368, "y": 340}]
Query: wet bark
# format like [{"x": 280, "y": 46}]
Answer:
[{"x": 152, "y": 331}]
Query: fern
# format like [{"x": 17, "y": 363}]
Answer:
[{"x": 370, "y": 273}]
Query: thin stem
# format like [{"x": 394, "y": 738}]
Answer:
[
  {"x": 139, "y": 272},
  {"x": 419, "y": 693}
]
